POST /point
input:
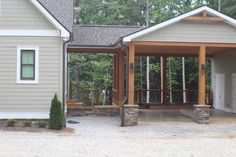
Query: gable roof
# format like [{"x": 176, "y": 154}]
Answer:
[
  {"x": 62, "y": 10},
  {"x": 210, "y": 11},
  {"x": 100, "y": 36},
  {"x": 64, "y": 32}
]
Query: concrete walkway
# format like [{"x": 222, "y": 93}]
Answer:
[{"x": 177, "y": 116}]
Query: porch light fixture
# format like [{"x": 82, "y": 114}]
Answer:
[
  {"x": 131, "y": 67},
  {"x": 203, "y": 66}
]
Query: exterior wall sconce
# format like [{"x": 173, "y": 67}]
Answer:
[
  {"x": 131, "y": 67},
  {"x": 203, "y": 66}
]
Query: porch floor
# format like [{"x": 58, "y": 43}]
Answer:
[{"x": 178, "y": 116}]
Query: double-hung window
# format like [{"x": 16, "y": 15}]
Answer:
[{"x": 27, "y": 64}]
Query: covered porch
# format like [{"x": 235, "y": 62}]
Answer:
[{"x": 202, "y": 33}]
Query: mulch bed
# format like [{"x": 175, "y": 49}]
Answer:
[{"x": 19, "y": 127}]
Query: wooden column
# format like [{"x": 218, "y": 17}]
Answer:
[
  {"x": 164, "y": 84},
  {"x": 114, "y": 78},
  {"x": 202, "y": 75},
  {"x": 121, "y": 78},
  {"x": 131, "y": 57},
  {"x": 117, "y": 79}
]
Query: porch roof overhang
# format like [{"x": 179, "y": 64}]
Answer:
[
  {"x": 112, "y": 39},
  {"x": 148, "y": 44},
  {"x": 99, "y": 39}
]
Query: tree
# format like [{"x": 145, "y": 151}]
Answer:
[
  {"x": 228, "y": 7},
  {"x": 95, "y": 73},
  {"x": 56, "y": 120}
]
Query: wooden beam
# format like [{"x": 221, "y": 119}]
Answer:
[
  {"x": 208, "y": 19},
  {"x": 202, "y": 75},
  {"x": 131, "y": 69},
  {"x": 121, "y": 78},
  {"x": 91, "y": 50},
  {"x": 183, "y": 44}
]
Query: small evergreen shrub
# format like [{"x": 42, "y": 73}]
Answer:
[
  {"x": 27, "y": 123},
  {"x": 11, "y": 123},
  {"x": 56, "y": 120},
  {"x": 42, "y": 124}
]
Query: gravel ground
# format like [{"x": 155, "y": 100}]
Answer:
[{"x": 103, "y": 137}]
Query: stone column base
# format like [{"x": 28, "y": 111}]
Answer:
[
  {"x": 201, "y": 114},
  {"x": 130, "y": 115}
]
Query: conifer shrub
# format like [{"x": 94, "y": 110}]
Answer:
[
  {"x": 27, "y": 123},
  {"x": 56, "y": 120},
  {"x": 11, "y": 123},
  {"x": 42, "y": 124}
]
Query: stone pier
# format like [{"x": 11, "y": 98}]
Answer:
[
  {"x": 130, "y": 115},
  {"x": 201, "y": 114}
]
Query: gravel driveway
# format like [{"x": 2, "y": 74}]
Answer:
[{"x": 102, "y": 137}]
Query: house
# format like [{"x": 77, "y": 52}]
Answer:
[
  {"x": 33, "y": 36},
  {"x": 37, "y": 35}
]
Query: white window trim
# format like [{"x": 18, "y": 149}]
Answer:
[{"x": 18, "y": 70}]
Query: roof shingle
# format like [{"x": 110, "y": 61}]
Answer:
[
  {"x": 104, "y": 35},
  {"x": 62, "y": 10}
]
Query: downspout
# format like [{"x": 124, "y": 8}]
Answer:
[{"x": 64, "y": 73}]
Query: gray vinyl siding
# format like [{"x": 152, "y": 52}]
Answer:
[
  {"x": 224, "y": 64},
  {"x": 21, "y": 14},
  {"x": 30, "y": 97},
  {"x": 185, "y": 31}
]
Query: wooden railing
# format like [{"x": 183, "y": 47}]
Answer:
[
  {"x": 88, "y": 96},
  {"x": 115, "y": 96},
  {"x": 159, "y": 96}
]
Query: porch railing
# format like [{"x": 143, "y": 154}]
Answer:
[
  {"x": 175, "y": 96},
  {"x": 90, "y": 97}
]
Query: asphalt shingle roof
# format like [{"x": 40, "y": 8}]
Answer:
[
  {"x": 105, "y": 35},
  {"x": 62, "y": 10}
]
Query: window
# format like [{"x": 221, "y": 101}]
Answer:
[{"x": 27, "y": 65}]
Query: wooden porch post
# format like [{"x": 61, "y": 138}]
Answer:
[
  {"x": 131, "y": 66},
  {"x": 164, "y": 84},
  {"x": 163, "y": 80},
  {"x": 202, "y": 75},
  {"x": 201, "y": 114},
  {"x": 117, "y": 78},
  {"x": 121, "y": 78},
  {"x": 114, "y": 78}
]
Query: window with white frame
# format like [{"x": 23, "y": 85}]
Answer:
[{"x": 27, "y": 64}]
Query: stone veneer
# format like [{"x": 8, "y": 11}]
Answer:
[
  {"x": 201, "y": 114},
  {"x": 130, "y": 115},
  {"x": 96, "y": 111}
]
